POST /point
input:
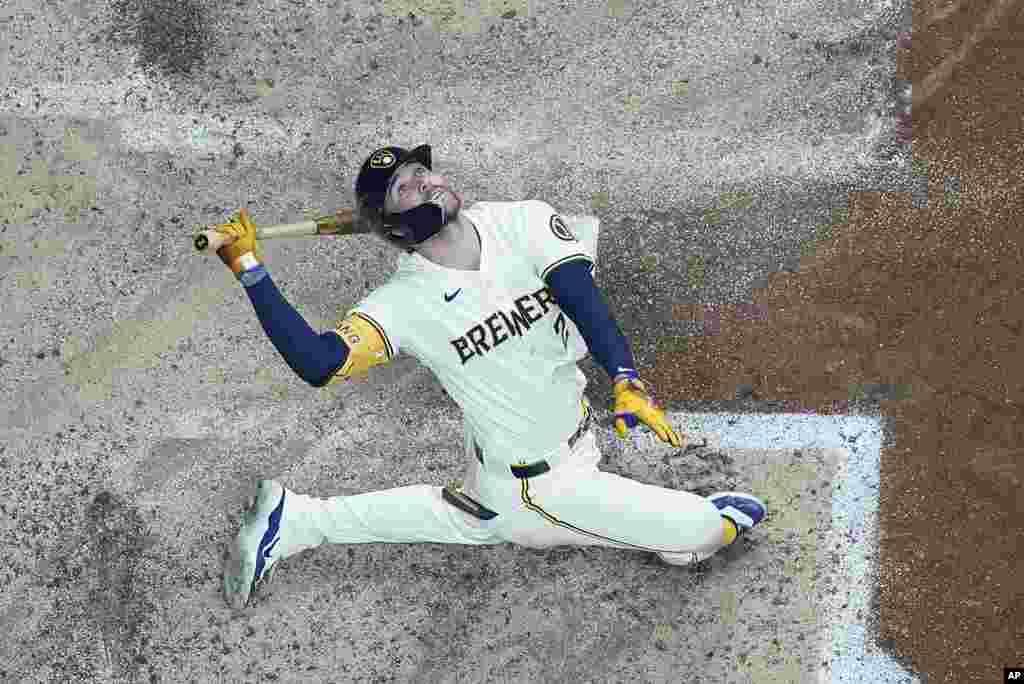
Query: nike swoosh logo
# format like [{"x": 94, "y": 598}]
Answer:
[
  {"x": 450, "y": 297},
  {"x": 270, "y": 539}
]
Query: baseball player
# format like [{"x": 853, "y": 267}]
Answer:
[{"x": 498, "y": 301}]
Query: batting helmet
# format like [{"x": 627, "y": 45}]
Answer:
[{"x": 371, "y": 190}]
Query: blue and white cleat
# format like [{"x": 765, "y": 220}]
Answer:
[
  {"x": 253, "y": 554},
  {"x": 745, "y": 510}
]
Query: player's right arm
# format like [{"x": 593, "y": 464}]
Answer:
[{"x": 355, "y": 345}]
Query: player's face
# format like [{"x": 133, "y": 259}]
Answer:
[{"x": 414, "y": 186}]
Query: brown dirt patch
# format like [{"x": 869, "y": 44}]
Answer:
[{"x": 922, "y": 307}]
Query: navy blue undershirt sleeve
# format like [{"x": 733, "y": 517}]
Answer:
[
  {"x": 573, "y": 288},
  {"x": 314, "y": 357}
]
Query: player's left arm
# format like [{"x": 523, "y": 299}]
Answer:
[
  {"x": 573, "y": 288},
  {"x": 561, "y": 261},
  {"x": 568, "y": 272}
]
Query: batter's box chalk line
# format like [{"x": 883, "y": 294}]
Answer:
[{"x": 848, "y": 648}]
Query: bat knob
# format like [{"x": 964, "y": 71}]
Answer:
[{"x": 201, "y": 242}]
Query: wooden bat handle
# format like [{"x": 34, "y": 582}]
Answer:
[{"x": 339, "y": 223}]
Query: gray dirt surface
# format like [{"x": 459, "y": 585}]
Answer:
[{"x": 140, "y": 399}]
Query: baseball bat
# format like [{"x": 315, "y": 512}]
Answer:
[{"x": 339, "y": 223}]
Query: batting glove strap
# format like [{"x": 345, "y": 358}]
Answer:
[{"x": 634, "y": 385}]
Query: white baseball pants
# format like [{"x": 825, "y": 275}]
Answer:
[{"x": 572, "y": 504}]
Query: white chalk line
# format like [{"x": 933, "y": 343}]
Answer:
[{"x": 849, "y": 650}]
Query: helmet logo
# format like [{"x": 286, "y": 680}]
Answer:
[
  {"x": 561, "y": 230},
  {"x": 382, "y": 159}
]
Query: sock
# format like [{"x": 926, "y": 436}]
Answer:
[{"x": 731, "y": 530}]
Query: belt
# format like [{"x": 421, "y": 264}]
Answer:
[
  {"x": 453, "y": 494},
  {"x": 527, "y": 470}
]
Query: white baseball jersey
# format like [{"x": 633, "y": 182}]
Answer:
[
  {"x": 495, "y": 338},
  {"x": 507, "y": 354}
]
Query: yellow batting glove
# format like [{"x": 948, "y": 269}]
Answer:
[
  {"x": 635, "y": 405},
  {"x": 244, "y": 231}
]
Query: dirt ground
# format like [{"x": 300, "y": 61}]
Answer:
[
  {"x": 122, "y": 394},
  {"x": 918, "y": 311}
]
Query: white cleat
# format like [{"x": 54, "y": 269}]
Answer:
[{"x": 253, "y": 554}]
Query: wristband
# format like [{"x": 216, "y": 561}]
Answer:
[
  {"x": 252, "y": 276},
  {"x": 626, "y": 374},
  {"x": 244, "y": 262}
]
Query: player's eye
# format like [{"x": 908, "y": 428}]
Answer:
[{"x": 418, "y": 172}]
